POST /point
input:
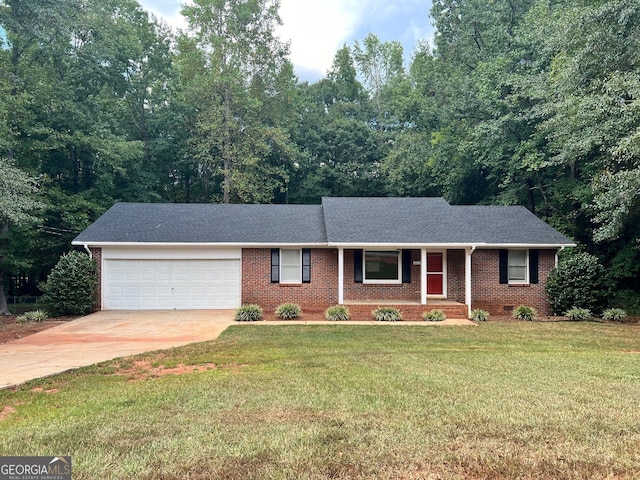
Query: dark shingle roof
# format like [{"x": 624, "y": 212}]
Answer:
[
  {"x": 433, "y": 221},
  {"x": 348, "y": 221},
  {"x": 207, "y": 223},
  {"x": 509, "y": 225}
]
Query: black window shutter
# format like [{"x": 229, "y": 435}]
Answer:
[
  {"x": 357, "y": 266},
  {"x": 533, "y": 266},
  {"x": 406, "y": 266},
  {"x": 275, "y": 265},
  {"x": 504, "y": 266},
  {"x": 306, "y": 265}
]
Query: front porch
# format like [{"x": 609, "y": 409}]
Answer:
[
  {"x": 413, "y": 280},
  {"x": 410, "y": 310}
]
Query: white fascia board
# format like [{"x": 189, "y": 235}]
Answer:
[
  {"x": 405, "y": 245},
  {"x": 526, "y": 245},
  {"x": 199, "y": 245},
  {"x": 450, "y": 245}
]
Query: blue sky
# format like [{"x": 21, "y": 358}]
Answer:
[{"x": 317, "y": 29}]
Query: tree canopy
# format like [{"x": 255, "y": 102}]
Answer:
[{"x": 525, "y": 102}]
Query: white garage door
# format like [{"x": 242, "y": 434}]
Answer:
[{"x": 170, "y": 284}]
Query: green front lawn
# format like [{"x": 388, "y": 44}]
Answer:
[{"x": 503, "y": 400}]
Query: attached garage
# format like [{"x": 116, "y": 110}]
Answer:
[{"x": 165, "y": 279}]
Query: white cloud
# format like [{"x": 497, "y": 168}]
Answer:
[{"x": 316, "y": 31}]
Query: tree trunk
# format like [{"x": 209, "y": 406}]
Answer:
[{"x": 4, "y": 310}]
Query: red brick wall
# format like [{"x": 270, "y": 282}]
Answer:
[
  {"x": 488, "y": 294},
  {"x": 455, "y": 275},
  {"x": 315, "y": 296},
  {"x": 96, "y": 253}
]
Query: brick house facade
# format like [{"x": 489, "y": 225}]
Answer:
[{"x": 420, "y": 253}]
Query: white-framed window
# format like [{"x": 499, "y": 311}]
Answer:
[
  {"x": 290, "y": 265},
  {"x": 518, "y": 267},
  {"x": 382, "y": 266}
]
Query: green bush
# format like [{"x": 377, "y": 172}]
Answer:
[
  {"x": 337, "y": 313},
  {"x": 578, "y": 280},
  {"x": 525, "y": 312},
  {"x": 387, "y": 314},
  {"x": 614, "y": 314},
  {"x": 71, "y": 286},
  {"x": 578, "y": 314},
  {"x": 248, "y": 313},
  {"x": 434, "y": 316},
  {"x": 288, "y": 310},
  {"x": 32, "y": 316},
  {"x": 478, "y": 315}
]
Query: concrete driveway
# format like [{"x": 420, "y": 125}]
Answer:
[{"x": 103, "y": 336}]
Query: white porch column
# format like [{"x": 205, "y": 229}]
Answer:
[
  {"x": 467, "y": 278},
  {"x": 423, "y": 276},
  {"x": 340, "y": 275}
]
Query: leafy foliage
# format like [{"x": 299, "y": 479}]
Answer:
[
  {"x": 248, "y": 313},
  {"x": 479, "y": 315},
  {"x": 337, "y": 313},
  {"x": 71, "y": 287},
  {"x": 578, "y": 279},
  {"x": 578, "y": 314},
  {"x": 288, "y": 311},
  {"x": 387, "y": 314},
  {"x": 434, "y": 316},
  {"x": 32, "y": 316},
  {"x": 614, "y": 314},
  {"x": 525, "y": 312}
]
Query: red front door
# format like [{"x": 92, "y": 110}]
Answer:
[{"x": 435, "y": 274}]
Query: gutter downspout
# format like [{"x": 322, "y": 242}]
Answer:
[
  {"x": 558, "y": 253},
  {"x": 86, "y": 247}
]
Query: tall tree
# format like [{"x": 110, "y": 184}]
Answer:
[
  {"x": 237, "y": 76},
  {"x": 17, "y": 205}
]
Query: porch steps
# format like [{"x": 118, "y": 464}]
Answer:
[{"x": 409, "y": 311}]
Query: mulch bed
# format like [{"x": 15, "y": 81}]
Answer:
[{"x": 11, "y": 330}]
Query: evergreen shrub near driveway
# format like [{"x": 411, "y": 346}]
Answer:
[{"x": 71, "y": 286}]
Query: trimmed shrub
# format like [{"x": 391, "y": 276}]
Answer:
[
  {"x": 71, "y": 286},
  {"x": 387, "y": 314},
  {"x": 32, "y": 316},
  {"x": 337, "y": 313},
  {"x": 288, "y": 311},
  {"x": 248, "y": 313},
  {"x": 578, "y": 280},
  {"x": 525, "y": 312},
  {"x": 578, "y": 314},
  {"x": 478, "y": 315},
  {"x": 614, "y": 314},
  {"x": 434, "y": 316}
]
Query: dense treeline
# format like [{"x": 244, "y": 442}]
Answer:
[{"x": 518, "y": 102}]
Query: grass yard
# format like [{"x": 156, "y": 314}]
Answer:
[{"x": 503, "y": 400}]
